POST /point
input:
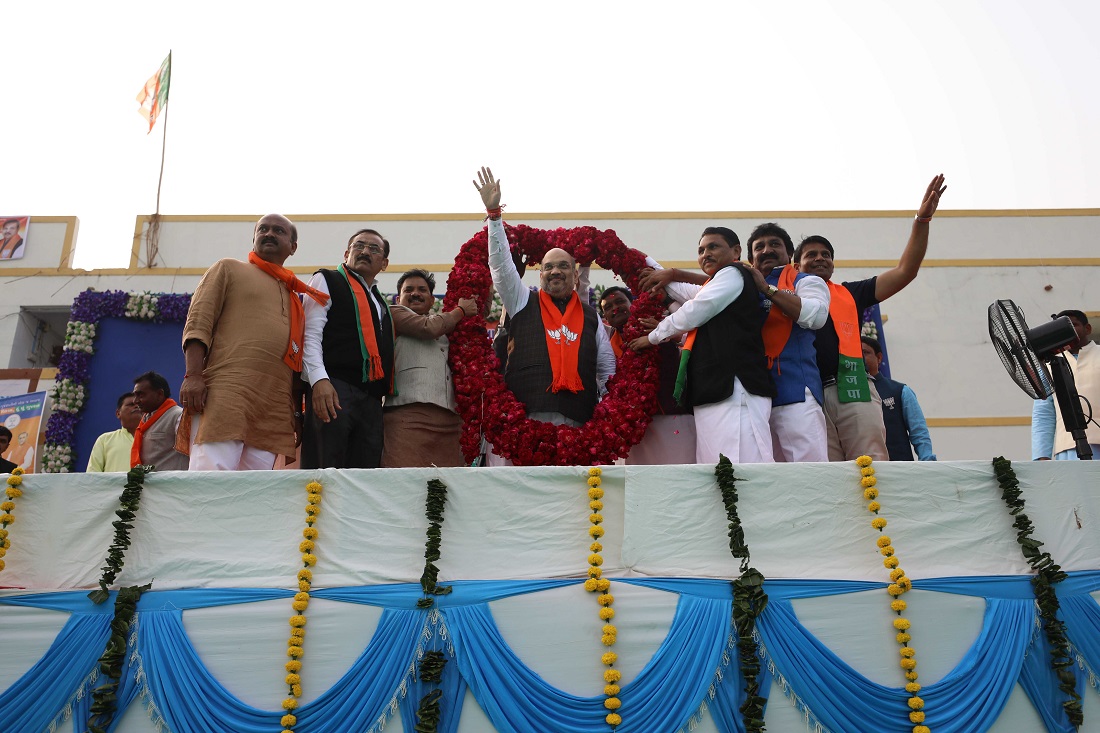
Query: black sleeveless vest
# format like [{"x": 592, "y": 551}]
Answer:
[
  {"x": 728, "y": 346},
  {"x": 528, "y": 373},
  {"x": 893, "y": 415},
  {"x": 340, "y": 339}
]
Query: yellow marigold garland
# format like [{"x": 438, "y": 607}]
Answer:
[
  {"x": 7, "y": 507},
  {"x": 596, "y": 583},
  {"x": 300, "y": 603},
  {"x": 899, "y": 585}
]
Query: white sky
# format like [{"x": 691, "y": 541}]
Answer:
[{"x": 348, "y": 108}]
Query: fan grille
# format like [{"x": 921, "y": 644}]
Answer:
[{"x": 1008, "y": 330}]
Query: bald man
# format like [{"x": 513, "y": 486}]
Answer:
[{"x": 559, "y": 355}]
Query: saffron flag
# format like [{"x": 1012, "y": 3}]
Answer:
[{"x": 154, "y": 95}]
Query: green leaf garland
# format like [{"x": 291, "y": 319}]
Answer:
[
  {"x": 749, "y": 600},
  {"x": 430, "y": 667},
  {"x": 127, "y": 511},
  {"x": 1047, "y": 574},
  {"x": 105, "y": 697}
]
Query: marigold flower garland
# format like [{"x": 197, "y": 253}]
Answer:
[
  {"x": 899, "y": 585},
  {"x": 13, "y": 492},
  {"x": 1047, "y": 575},
  {"x": 596, "y": 583},
  {"x": 486, "y": 404},
  {"x": 749, "y": 600},
  {"x": 301, "y": 601}
]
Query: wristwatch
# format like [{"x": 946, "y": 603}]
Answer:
[{"x": 772, "y": 290}]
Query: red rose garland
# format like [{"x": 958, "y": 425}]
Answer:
[{"x": 484, "y": 400}]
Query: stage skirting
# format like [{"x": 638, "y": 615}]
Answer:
[{"x": 522, "y": 636}]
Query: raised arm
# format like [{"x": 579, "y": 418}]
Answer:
[
  {"x": 432, "y": 325},
  {"x": 509, "y": 284},
  {"x": 892, "y": 281}
]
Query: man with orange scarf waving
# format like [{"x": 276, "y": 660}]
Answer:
[
  {"x": 348, "y": 359},
  {"x": 559, "y": 355},
  {"x": 242, "y": 345},
  {"x": 853, "y": 409}
]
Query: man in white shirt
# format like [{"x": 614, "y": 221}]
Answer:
[
  {"x": 348, "y": 359},
  {"x": 725, "y": 374}
]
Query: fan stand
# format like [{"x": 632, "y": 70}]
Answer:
[{"x": 1069, "y": 402}]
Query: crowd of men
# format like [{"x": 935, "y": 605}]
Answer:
[{"x": 761, "y": 359}]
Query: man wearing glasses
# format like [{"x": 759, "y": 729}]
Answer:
[
  {"x": 348, "y": 359},
  {"x": 559, "y": 355}
]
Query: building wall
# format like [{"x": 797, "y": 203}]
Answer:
[{"x": 935, "y": 331}]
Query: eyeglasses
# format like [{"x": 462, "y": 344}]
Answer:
[
  {"x": 551, "y": 266},
  {"x": 374, "y": 249}
]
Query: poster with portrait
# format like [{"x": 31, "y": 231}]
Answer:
[
  {"x": 22, "y": 415},
  {"x": 13, "y": 236}
]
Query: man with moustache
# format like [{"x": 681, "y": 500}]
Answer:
[
  {"x": 794, "y": 306},
  {"x": 348, "y": 362},
  {"x": 853, "y": 407},
  {"x": 11, "y": 244},
  {"x": 242, "y": 346},
  {"x": 558, "y": 354},
  {"x": 111, "y": 451},
  {"x": 724, "y": 371},
  {"x": 422, "y": 427},
  {"x": 155, "y": 436}
]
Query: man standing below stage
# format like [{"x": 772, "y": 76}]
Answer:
[
  {"x": 795, "y": 306},
  {"x": 559, "y": 356},
  {"x": 906, "y": 429},
  {"x": 155, "y": 436},
  {"x": 243, "y": 344},
  {"x": 1049, "y": 437},
  {"x": 111, "y": 452},
  {"x": 422, "y": 426},
  {"x": 727, "y": 381},
  {"x": 853, "y": 409},
  {"x": 349, "y": 348}
]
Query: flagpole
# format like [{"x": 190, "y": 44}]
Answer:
[{"x": 152, "y": 237}]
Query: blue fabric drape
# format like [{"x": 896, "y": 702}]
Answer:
[
  {"x": 191, "y": 701},
  {"x": 664, "y": 696},
  {"x": 969, "y": 698},
  {"x": 661, "y": 698},
  {"x": 39, "y": 695}
]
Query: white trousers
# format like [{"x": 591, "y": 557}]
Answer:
[
  {"x": 737, "y": 427},
  {"x": 799, "y": 434},
  {"x": 226, "y": 455},
  {"x": 669, "y": 440}
]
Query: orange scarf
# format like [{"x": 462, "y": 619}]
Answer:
[
  {"x": 617, "y": 344},
  {"x": 777, "y": 327},
  {"x": 851, "y": 376},
  {"x": 293, "y": 356},
  {"x": 368, "y": 339},
  {"x": 139, "y": 432},
  {"x": 9, "y": 245},
  {"x": 563, "y": 341}
]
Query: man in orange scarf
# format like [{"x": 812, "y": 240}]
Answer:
[
  {"x": 853, "y": 408},
  {"x": 242, "y": 346},
  {"x": 349, "y": 348},
  {"x": 559, "y": 355},
  {"x": 155, "y": 436}
]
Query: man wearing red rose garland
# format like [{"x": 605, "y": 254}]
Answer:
[
  {"x": 242, "y": 345},
  {"x": 853, "y": 408},
  {"x": 723, "y": 371},
  {"x": 559, "y": 355}
]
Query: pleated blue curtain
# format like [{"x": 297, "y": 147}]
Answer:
[{"x": 666, "y": 694}]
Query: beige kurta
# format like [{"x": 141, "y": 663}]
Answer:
[{"x": 242, "y": 314}]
